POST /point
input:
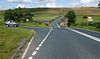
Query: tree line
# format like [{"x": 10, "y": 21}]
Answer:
[{"x": 18, "y": 15}]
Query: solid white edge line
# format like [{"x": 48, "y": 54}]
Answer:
[
  {"x": 27, "y": 48},
  {"x": 84, "y": 34},
  {"x": 30, "y": 57}
]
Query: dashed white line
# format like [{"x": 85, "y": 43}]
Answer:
[
  {"x": 40, "y": 45},
  {"x": 37, "y": 48},
  {"x": 84, "y": 34},
  {"x": 34, "y": 53},
  {"x": 30, "y": 57},
  {"x": 58, "y": 26}
]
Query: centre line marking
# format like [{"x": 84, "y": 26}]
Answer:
[
  {"x": 34, "y": 53},
  {"x": 37, "y": 48},
  {"x": 30, "y": 57},
  {"x": 58, "y": 26}
]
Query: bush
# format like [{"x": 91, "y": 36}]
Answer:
[
  {"x": 71, "y": 15},
  {"x": 17, "y": 15},
  {"x": 98, "y": 25},
  {"x": 84, "y": 17}
]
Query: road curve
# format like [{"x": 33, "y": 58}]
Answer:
[
  {"x": 62, "y": 43},
  {"x": 65, "y": 44}
]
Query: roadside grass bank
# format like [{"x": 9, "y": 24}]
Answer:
[
  {"x": 34, "y": 24},
  {"x": 9, "y": 39},
  {"x": 80, "y": 24},
  {"x": 1, "y": 20}
]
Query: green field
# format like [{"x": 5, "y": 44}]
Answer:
[
  {"x": 44, "y": 16},
  {"x": 9, "y": 39},
  {"x": 79, "y": 23},
  {"x": 1, "y": 20},
  {"x": 40, "y": 17}
]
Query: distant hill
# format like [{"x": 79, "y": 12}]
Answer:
[
  {"x": 2, "y": 12},
  {"x": 60, "y": 11}
]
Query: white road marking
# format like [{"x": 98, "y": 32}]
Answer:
[
  {"x": 58, "y": 26},
  {"x": 89, "y": 30},
  {"x": 30, "y": 57},
  {"x": 37, "y": 48},
  {"x": 51, "y": 28},
  {"x": 84, "y": 34},
  {"x": 34, "y": 53},
  {"x": 27, "y": 48},
  {"x": 45, "y": 37},
  {"x": 40, "y": 45}
]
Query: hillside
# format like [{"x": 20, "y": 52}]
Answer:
[{"x": 60, "y": 11}]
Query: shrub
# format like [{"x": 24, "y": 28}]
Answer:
[{"x": 71, "y": 15}]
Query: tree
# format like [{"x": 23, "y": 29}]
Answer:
[
  {"x": 71, "y": 15},
  {"x": 99, "y": 4},
  {"x": 18, "y": 15},
  {"x": 29, "y": 16},
  {"x": 9, "y": 15}
]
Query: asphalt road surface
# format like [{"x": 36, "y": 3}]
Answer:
[{"x": 63, "y": 43}]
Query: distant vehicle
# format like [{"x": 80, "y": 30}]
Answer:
[{"x": 11, "y": 23}]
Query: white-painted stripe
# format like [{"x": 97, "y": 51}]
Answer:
[
  {"x": 34, "y": 53},
  {"x": 27, "y": 48},
  {"x": 89, "y": 30},
  {"x": 43, "y": 41},
  {"x": 30, "y": 57},
  {"x": 58, "y": 26},
  {"x": 40, "y": 45},
  {"x": 45, "y": 37},
  {"x": 51, "y": 28},
  {"x": 84, "y": 34},
  {"x": 37, "y": 48}
]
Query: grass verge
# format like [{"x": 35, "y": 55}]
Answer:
[
  {"x": 9, "y": 39},
  {"x": 34, "y": 24},
  {"x": 80, "y": 20}
]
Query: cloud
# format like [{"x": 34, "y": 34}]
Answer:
[
  {"x": 49, "y": 3},
  {"x": 46, "y": 0},
  {"x": 53, "y": 5},
  {"x": 22, "y": 6},
  {"x": 20, "y": 1},
  {"x": 84, "y": 3},
  {"x": 89, "y": 3}
]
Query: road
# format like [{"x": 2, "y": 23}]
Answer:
[{"x": 63, "y": 43}]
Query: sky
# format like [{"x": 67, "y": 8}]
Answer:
[{"x": 7, "y": 4}]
